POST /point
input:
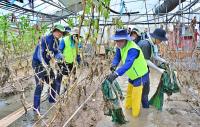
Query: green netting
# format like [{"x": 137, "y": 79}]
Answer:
[
  {"x": 168, "y": 84},
  {"x": 112, "y": 104}
]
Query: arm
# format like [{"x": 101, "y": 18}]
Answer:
[
  {"x": 43, "y": 47},
  {"x": 62, "y": 45},
  {"x": 117, "y": 58},
  {"x": 156, "y": 57},
  {"x": 152, "y": 65},
  {"x": 131, "y": 56}
]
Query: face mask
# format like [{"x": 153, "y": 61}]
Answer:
[{"x": 133, "y": 38}]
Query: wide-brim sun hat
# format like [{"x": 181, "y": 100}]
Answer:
[
  {"x": 121, "y": 34},
  {"x": 136, "y": 31},
  {"x": 59, "y": 27},
  {"x": 159, "y": 34},
  {"x": 75, "y": 31}
]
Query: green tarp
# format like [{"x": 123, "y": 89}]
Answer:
[
  {"x": 168, "y": 84},
  {"x": 112, "y": 104}
]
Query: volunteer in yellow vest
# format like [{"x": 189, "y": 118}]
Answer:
[
  {"x": 135, "y": 67},
  {"x": 68, "y": 49}
]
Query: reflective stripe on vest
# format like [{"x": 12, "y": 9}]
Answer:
[
  {"x": 69, "y": 52},
  {"x": 139, "y": 67}
]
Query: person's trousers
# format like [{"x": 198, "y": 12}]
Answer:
[
  {"x": 145, "y": 93},
  {"x": 133, "y": 99},
  {"x": 65, "y": 69},
  {"x": 40, "y": 78}
]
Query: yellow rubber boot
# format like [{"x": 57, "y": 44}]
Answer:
[
  {"x": 136, "y": 100},
  {"x": 128, "y": 100}
]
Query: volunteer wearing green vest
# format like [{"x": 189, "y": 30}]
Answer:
[
  {"x": 68, "y": 49},
  {"x": 135, "y": 67}
]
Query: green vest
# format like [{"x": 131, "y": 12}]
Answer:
[
  {"x": 139, "y": 67},
  {"x": 69, "y": 52}
]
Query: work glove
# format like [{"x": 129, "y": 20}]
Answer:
[
  {"x": 59, "y": 57},
  {"x": 112, "y": 77},
  {"x": 113, "y": 68},
  {"x": 161, "y": 70}
]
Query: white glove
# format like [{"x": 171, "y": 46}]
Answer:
[
  {"x": 161, "y": 70},
  {"x": 152, "y": 65}
]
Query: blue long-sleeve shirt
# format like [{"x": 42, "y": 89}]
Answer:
[
  {"x": 47, "y": 42},
  {"x": 131, "y": 56},
  {"x": 62, "y": 45}
]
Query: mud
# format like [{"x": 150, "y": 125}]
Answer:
[{"x": 179, "y": 110}]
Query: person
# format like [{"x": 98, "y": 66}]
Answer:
[
  {"x": 46, "y": 50},
  {"x": 136, "y": 36},
  {"x": 134, "y": 66},
  {"x": 193, "y": 23},
  {"x": 80, "y": 47},
  {"x": 129, "y": 30},
  {"x": 144, "y": 34},
  {"x": 68, "y": 49},
  {"x": 150, "y": 47},
  {"x": 63, "y": 67},
  {"x": 150, "y": 52}
]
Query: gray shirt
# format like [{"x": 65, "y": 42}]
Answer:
[{"x": 146, "y": 48}]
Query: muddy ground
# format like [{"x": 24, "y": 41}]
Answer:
[{"x": 180, "y": 110}]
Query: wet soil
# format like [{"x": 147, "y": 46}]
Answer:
[{"x": 178, "y": 110}]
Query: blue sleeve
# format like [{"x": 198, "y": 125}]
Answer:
[
  {"x": 43, "y": 49},
  {"x": 131, "y": 56},
  {"x": 117, "y": 58},
  {"x": 62, "y": 45}
]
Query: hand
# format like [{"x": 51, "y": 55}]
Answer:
[
  {"x": 113, "y": 68},
  {"x": 112, "y": 77},
  {"x": 161, "y": 71},
  {"x": 59, "y": 57}
]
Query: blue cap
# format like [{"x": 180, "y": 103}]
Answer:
[{"x": 67, "y": 29}]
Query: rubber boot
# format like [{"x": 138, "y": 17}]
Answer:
[
  {"x": 136, "y": 100},
  {"x": 128, "y": 101}
]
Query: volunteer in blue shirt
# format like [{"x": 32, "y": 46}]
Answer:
[
  {"x": 135, "y": 67},
  {"x": 45, "y": 50}
]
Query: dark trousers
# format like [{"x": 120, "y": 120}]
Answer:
[
  {"x": 145, "y": 93},
  {"x": 41, "y": 77},
  {"x": 65, "y": 69}
]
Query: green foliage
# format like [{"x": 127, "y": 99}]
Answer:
[
  {"x": 106, "y": 13},
  {"x": 118, "y": 22},
  {"x": 4, "y": 26},
  {"x": 88, "y": 6},
  {"x": 86, "y": 22},
  {"x": 19, "y": 38},
  {"x": 107, "y": 2},
  {"x": 4, "y": 23},
  {"x": 70, "y": 22},
  {"x": 96, "y": 24}
]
